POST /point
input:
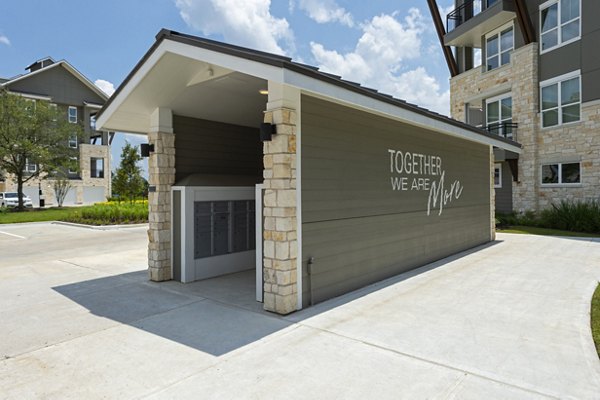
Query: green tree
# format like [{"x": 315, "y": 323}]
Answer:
[
  {"x": 127, "y": 181},
  {"x": 34, "y": 133}
]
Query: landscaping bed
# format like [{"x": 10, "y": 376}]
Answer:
[
  {"x": 109, "y": 213},
  {"x": 567, "y": 218}
]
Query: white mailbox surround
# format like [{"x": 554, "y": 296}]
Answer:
[{"x": 203, "y": 268}]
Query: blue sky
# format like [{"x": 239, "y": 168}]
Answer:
[{"x": 387, "y": 45}]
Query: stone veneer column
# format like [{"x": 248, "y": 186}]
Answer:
[
  {"x": 525, "y": 89},
  {"x": 492, "y": 197},
  {"x": 280, "y": 213},
  {"x": 161, "y": 168}
]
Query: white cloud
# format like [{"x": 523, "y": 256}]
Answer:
[
  {"x": 323, "y": 11},
  {"x": 418, "y": 87},
  {"x": 350, "y": 66},
  {"x": 106, "y": 86},
  {"x": 133, "y": 138},
  {"x": 247, "y": 23},
  {"x": 380, "y": 60},
  {"x": 4, "y": 40}
]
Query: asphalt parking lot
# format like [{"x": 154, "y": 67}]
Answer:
[{"x": 78, "y": 319}]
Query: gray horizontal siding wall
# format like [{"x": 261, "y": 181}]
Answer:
[
  {"x": 59, "y": 84},
  {"x": 581, "y": 54},
  {"x": 504, "y": 194},
  {"x": 354, "y": 225},
  {"x": 215, "y": 148}
]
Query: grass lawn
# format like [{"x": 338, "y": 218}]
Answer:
[
  {"x": 531, "y": 230},
  {"x": 98, "y": 214},
  {"x": 36, "y": 215},
  {"x": 595, "y": 312}
]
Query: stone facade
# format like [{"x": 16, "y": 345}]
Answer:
[
  {"x": 280, "y": 214},
  {"x": 80, "y": 185},
  {"x": 571, "y": 142},
  {"x": 161, "y": 169},
  {"x": 576, "y": 142}
]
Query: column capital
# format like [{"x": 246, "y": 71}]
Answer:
[
  {"x": 283, "y": 96},
  {"x": 161, "y": 120}
]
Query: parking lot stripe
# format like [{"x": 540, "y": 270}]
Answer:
[{"x": 12, "y": 234}]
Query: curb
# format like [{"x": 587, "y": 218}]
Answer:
[{"x": 99, "y": 227}]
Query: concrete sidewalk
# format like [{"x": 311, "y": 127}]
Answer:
[{"x": 78, "y": 319}]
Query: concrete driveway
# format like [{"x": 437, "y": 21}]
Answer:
[{"x": 79, "y": 320}]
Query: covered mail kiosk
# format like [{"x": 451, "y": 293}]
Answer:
[
  {"x": 214, "y": 227},
  {"x": 356, "y": 186}
]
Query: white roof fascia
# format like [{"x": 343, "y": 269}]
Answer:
[
  {"x": 350, "y": 98},
  {"x": 249, "y": 67},
  {"x": 130, "y": 85}
]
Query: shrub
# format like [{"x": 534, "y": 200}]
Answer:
[
  {"x": 503, "y": 220},
  {"x": 573, "y": 216},
  {"x": 111, "y": 213},
  {"x": 567, "y": 216}
]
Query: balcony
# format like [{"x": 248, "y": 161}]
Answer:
[
  {"x": 474, "y": 18},
  {"x": 507, "y": 130}
]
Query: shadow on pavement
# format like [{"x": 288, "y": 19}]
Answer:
[{"x": 215, "y": 316}]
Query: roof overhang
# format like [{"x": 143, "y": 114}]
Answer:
[{"x": 177, "y": 65}]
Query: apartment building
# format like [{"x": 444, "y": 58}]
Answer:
[
  {"x": 528, "y": 70},
  {"x": 58, "y": 82}
]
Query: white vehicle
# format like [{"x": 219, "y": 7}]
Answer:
[{"x": 11, "y": 199}]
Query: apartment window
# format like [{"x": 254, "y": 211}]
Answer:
[
  {"x": 561, "y": 23},
  {"x": 30, "y": 167},
  {"x": 497, "y": 176},
  {"x": 72, "y": 114},
  {"x": 561, "y": 99},
  {"x": 73, "y": 141},
  {"x": 498, "y": 46},
  {"x": 96, "y": 167},
  {"x": 561, "y": 173},
  {"x": 73, "y": 167},
  {"x": 498, "y": 112},
  {"x": 93, "y": 122}
]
